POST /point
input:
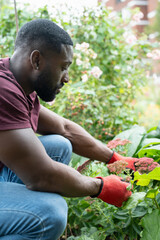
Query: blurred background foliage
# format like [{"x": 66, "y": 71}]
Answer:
[{"x": 108, "y": 71}]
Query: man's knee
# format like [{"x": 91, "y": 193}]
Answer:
[
  {"x": 55, "y": 217},
  {"x": 66, "y": 145},
  {"x": 57, "y": 147}
]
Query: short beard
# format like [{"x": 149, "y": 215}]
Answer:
[{"x": 43, "y": 90}]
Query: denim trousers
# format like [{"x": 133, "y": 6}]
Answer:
[{"x": 26, "y": 214}]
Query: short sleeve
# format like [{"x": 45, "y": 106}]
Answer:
[{"x": 14, "y": 110}]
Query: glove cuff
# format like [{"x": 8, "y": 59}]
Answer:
[
  {"x": 100, "y": 189},
  {"x": 113, "y": 158}
]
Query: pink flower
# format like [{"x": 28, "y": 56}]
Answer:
[
  {"x": 117, "y": 167},
  {"x": 128, "y": 179},
  {"x": 131, "y": 39},
  {"x": 78, "y": 62},
  {"x": 145, "y": 165},
  {"x": 155, "y": 54},
  {"x": 82, "y": 47},
  {"x": 138, "y": 16},
  {"x": 117, "y": 142},
  {"x": 78, "y": 46},
  {"x": 96, "y": 72},
  {"x": 84, "y": 78}
]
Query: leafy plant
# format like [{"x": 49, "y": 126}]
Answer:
[{"x": 132, "y": 219}]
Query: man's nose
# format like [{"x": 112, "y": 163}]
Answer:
[{"x": 65, "y": 78}]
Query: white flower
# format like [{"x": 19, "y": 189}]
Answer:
[
  {"x": 78, "y": 62},
  {"x": 112, "y": 15},
  {"x": 135, "y": 61},
  {"x": 129, "y": 68},
  {"x": 117, "y": 67},
  {"x": 84, "y": 45},
  {"x": 96, "y": 72},
  {"x": 155, "y": 54},
  {"x": 78, "y": 46},
  {"x": 94, "y": 56},
  {"x": 131, "y": 39},
  {"x": 138, "y": 16},
  {"x": 149, "y": 55},
  {"x": 84, "y": 78},
  {"x": 128, "y": 83}
]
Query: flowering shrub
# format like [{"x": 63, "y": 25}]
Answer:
[
  {"x": 117, "y": 167},
  {"x": 154, "y": 54},
  {"x": 145, "y": 165},
  {"x": 117, "y": 142},
  {"x": 107, "y": 70},
  {"x": 108, "y": 66}
]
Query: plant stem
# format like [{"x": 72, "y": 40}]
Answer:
[
  {"x": 156, "y": 203},
  {"x": 16, "y": 16}
]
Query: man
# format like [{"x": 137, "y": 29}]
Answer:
[{"x": 34, "y": 173}]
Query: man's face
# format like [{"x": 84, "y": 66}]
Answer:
[{"x": 54, "y": 74}]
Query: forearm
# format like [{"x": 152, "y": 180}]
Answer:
[
  {"x": 62, "y": 179},
  {"x": 86, "y": 145},
  {"x": 83, "y": 143}
]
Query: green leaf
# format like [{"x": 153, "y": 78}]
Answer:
[
  {"x": 144, "y": 179},
  {"x": 139, "y": 211},
  {"x": 135, "y": 135},
  {"x": 152, "y": 193},
  {"x": 149, "y": 151},
  {"x": 151, "y": 225},
  {"x": 134, "y": 200},
  {"x": 77, "y": 211},
  {"x": 149, "y": 141}
]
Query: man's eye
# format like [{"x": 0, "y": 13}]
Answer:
[{"x": 64, "y": 68}]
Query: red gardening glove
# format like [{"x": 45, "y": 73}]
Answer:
[
  {"x": 129, "y": 160},
  {"x": 114, "y": 190}
]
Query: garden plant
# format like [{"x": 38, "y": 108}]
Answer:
[{"x": 110, "y": 66}]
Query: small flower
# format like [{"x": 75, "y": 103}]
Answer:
[
  {"x": 84, "y": 45},
  {"x": 149, "y": 55},
  {"x": 96, "y": 72},
  {"x": 128, "y": 179},
  {"x": 117, "y": 167},
  {"x": 78, "y": 62},
  {"x": 155, "y": 54},
  {"x": 94, "y": 56},
  {"x": 117, "y": 67},
  {"x": 131, "y": 39},
  {"x": 117, "y": 142},
  {"x": 128, "y": 83},
  {"x": 84, "y": 78},
  {"x": 138, "y": 16},
  {"x": 78, "y": 46},
  {"x": 145, "y": 165}
]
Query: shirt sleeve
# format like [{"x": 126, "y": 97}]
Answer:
[{"x": 14, "y": 110}]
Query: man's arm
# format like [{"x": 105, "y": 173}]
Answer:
[
  {"x": 23, "y": 153},
  {"x": 83, "y": 143}
]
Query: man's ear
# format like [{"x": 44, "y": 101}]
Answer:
[{"x": 35, "y": 59}]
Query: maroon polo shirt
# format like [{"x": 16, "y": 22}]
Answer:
[{"x": 17, "y": 110}]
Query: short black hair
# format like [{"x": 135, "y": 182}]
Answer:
[{"x": 42, "y": 34}]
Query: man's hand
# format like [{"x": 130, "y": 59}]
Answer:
[
  {"x": 114, "y": 191},
  {"x": 129, "y": 160}
]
